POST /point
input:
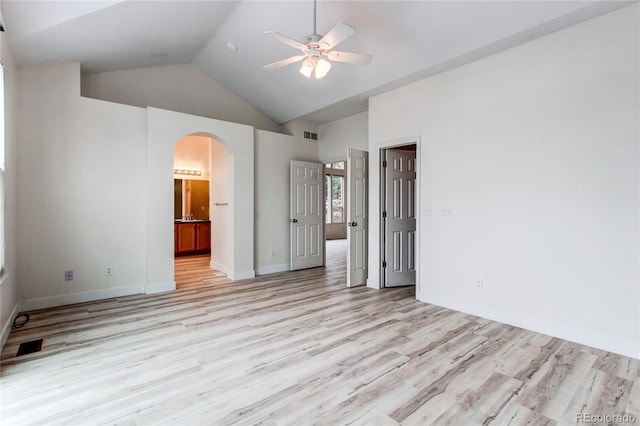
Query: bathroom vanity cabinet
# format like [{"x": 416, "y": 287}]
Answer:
[{"x": 192, "y": 237}]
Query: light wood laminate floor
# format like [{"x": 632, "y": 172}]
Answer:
[{"x": 296, "y": 349}]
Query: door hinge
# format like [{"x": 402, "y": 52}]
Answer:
[
  {"x": 384, "y": 214},
  {"x": 384, "y": 163},
  {"x": 384, "y": 263}
]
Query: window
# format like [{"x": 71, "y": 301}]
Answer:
[
  {"x": 334, "y": 192},
  {"x": 338, "y": 165}
]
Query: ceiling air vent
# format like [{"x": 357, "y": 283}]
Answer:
[{"x": 310, "y": 136}]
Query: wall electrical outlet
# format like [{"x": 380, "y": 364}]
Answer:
[
  {"x": 68, "y": 275},
  {"x": 447, "y": 211},
  {"x": 427, "y": 211},
  {"x": 479, "y": 284},
  {"x": 108, "y": 271}
]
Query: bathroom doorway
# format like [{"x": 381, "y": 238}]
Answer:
[
  {"x": 192, "y": 202},
  {"x": 191, "y": 186}
]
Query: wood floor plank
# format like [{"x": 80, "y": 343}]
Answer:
[{"x": 298, "y": 348}]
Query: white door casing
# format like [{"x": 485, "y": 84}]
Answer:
[
  {"x": 307, "y": 215},
  {"x": 400, "y": 220},
  {"x": 357, "y": 216}
]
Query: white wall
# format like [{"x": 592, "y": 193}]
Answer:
[
  {"x": 536, "y": 149},
  {"x": 273, "y": 153},
  {"x": 94, "y": 189},
  {"x": 182, "y": 88},
  {"x": 9, "y": 292},
  {"x": 80, "y": 191},
  {"x": 337, "y": 136}
]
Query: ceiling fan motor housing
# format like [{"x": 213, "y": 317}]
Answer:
[
  {"x": 312, "y": 47},
  {"x": 312, "y": 38}
]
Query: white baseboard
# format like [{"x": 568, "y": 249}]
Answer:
[
  {"x": 542, "y": 326},
  {"x": 153, "y": 288},
  {"x": 272, "y": 269},
  {"x": 219, "y": 267},
  {"x": 241, "y": 275},
  {"x": 373, "y": 283},
  {"x": 89, "y": 296},
  {"x": 232, "y": 275},
  {"x": 6, "y": 328}
]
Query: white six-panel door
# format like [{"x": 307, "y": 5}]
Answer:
[
  {"x": 357, "y": 217},
  {"x": 307, "y": 215},
  {"x": 400, "y": 221}
]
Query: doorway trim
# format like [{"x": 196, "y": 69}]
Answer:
[
  {"x": 375, "y": 279},
  {"x": 384, "y": 223}
]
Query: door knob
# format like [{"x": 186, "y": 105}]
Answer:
[
  {"x": 294, "y": 220},
  {"x": 352, "y": 224}
]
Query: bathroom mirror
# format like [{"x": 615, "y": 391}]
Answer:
[{"x": 191, "y": 199}]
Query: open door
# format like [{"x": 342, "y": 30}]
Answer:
[
  {"x": 357, "y": 219},
  {"x": 307, "y": 215},
  {"x": 399, "y": 217}
]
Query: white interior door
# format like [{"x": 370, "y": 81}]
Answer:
[
  {"x": 307, "y": 215},
  {"x": 357, "y": 216},
  {"x": 400, "y": 221}
]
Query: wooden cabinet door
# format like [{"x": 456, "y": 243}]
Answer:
[
  {"x": 186, "y": 237},
  {"x": 204, "y": 236}
]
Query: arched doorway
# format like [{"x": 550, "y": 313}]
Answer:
[{"x": 232, "y": 188}]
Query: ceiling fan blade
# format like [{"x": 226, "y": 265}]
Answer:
[
  {"x": 337, "y": 35},
  {"x": 349, "y": 58},
  {"x": 284, "y": 62},
  {"x": 284, "y": 39}
]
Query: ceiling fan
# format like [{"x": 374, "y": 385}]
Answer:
[{"x": 316, "y": 48}]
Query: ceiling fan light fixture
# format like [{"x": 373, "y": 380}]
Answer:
[
  {"x": 307, "y": 67},
  {"x": 319, "y": 67},
  {"x": 322, "y": 68}
]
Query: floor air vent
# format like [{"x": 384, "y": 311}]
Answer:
[{"x": 30, "y": 347}]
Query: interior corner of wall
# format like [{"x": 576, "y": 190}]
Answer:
[
  {"x": 373, "y": 283},
  {"x": 219, "y": 267}
]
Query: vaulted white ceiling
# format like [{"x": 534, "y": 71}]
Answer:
[{"x": 408, "y": 40}]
